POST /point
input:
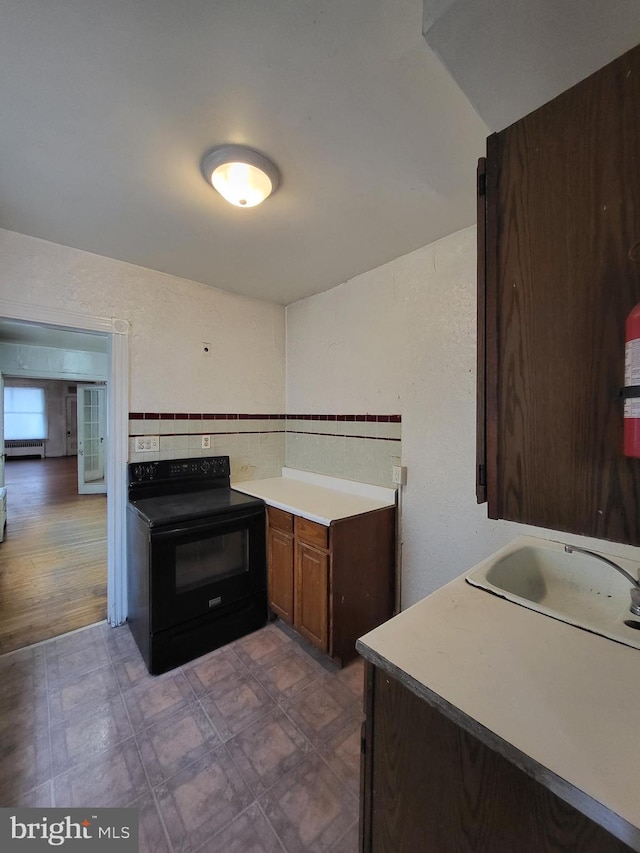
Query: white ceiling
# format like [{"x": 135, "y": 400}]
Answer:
[
  {"x": 512, "y": 56},
  {"x": 108, "y": 106}
]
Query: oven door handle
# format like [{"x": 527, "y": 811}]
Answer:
[{"x": 209, "y": 525}]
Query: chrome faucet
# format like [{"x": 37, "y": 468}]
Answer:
[{"x": 635, "y": 584}]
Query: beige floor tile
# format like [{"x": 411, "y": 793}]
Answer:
[
  {"x": 82, "y": 738},
  {"x": 322, "y": 710},
  {"x": 342, "y": 754},
  {"x": 250, "y": 832},
  {"x": 157, "y": 697},
  {"x": 310, "y": 809},
  {"x": 77, "y": 693},
  {"x": 268, "y": 750},
  {"x": 201, "y": 799},
  {"x": 235, "y": 704},
  {"x": 23, "y": 766},
  {"x": 288, "y": 673},
  {"x": 176, "y": 742},
  {"x": 255, "y": 648},
  {"x": 114, "y": 780},
  {"x": 152, "y": 837},
  {"x": 207, "y": 672}
]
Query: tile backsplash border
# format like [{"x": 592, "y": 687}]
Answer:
[
  {"x": 354, "y": 446},
  {"x": 195, "y": 416}
]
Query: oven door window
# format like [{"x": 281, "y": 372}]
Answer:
[
  {"x": 197, "y": 568},
  {"x": 215, "y": 558}
]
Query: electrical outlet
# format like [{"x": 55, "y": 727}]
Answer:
[
  {"x": 399, "y": 475},
  {"x": 206, "y": 442},
  {"x": 147, "y": 443}
]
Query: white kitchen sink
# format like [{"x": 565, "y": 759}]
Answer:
[{"x": 575, "y": 588}]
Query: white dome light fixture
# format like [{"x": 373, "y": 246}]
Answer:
[{"x": 242, "y": 176}]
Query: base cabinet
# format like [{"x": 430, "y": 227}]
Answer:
[
  {"x": 429, "y": 785},
  {"x": 280, "y": 573},
  {"x": 335, "y": 583},
  {"x": 312, "y": 594}
]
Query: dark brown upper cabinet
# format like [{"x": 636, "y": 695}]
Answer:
[{"x": 558, "y": 272}]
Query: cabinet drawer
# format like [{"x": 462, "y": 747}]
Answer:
[
  {"x": 280, "y": 520},
  {"x": 311, "y": 532}
]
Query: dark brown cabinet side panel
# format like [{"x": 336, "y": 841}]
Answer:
[
  {"x": 366, "y": 761},
  {"x": 491, "y": 348},
  {"x": 563, "y": 272},
  {"x": 481, "y": 448},
  {"x": 363, "y": 592},
  {"x": 433, "y": 787}
]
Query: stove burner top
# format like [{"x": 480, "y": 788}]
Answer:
[{"x": 184, "y": 506}]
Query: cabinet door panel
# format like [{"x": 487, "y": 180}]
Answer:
[
  {"x": 312, "y": 595},
  {"x": 280, "y": 519},
  {"x": 280, "y": 574},
  {"x": 311, "y": 532},
  {"x": 563, "y": 230}
]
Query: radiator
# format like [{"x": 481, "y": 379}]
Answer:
[{"x": 29, "y": 447}]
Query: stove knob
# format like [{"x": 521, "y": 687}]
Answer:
[
  {"x": 138, "y": 472},
  {"x": 205, "y": 467}
]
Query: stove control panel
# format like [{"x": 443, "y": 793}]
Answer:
[
  {"x": 205, "y": 468},
  {"x": 212, "y": 466}
]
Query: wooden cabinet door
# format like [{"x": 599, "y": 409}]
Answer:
[
  {"x": 562, "y": 273},
  {"x": 280, "y": 574},
  {"x": 312, "y": 594}
]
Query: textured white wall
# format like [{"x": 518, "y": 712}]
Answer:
[
  {"x": 402, "y": 338},
  {"x": 170, "y": 317}
]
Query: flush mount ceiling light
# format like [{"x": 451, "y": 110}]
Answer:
[{"x": 242, "y": 176}]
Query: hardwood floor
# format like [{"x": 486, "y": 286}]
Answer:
[{"x": 53, "y": 560}]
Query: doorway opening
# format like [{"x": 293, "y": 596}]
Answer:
[{"x": 43, "y": 321}]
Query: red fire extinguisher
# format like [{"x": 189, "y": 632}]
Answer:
[{"x": 632, "y": 384}]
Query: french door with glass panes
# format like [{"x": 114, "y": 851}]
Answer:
[{"x": 92, "y": 443}]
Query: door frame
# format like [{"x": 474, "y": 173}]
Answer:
[
  {"x": 1, "y": 433},
  {"x": 73, "y": 421},
  {"x": 117, "y": 332}
]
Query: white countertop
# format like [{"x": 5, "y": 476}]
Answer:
[
  {"x": 317, "y": 497},
  {"x": 548, "y": 696}
]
